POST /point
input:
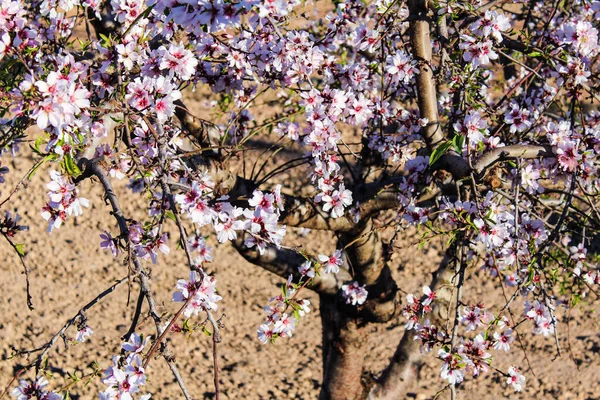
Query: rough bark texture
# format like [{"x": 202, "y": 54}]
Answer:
[
  {"x": 426, "y": 97},
  {"x": 344, "y": 343},
  {"x": 344, "y": 336}
]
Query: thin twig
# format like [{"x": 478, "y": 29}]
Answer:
[
  {"x": 136, "y": 316},
  {"x": 46, "y": 347},
  {"x": 178, "y": 378},
  {"x": 25, "y": 271}
]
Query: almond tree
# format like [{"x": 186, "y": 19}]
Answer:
[{"x": 476, "y": 121}]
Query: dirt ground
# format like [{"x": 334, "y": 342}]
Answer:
[{"x": 68, "y": 269}]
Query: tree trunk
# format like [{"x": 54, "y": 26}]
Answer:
[
  {"x": 344, "y": 326},
  {"x": 344, "y": 352}
]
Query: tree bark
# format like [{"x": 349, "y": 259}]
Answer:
[
  {"x": 344, "y": 335},
  {"x": 426, "y": 93},
  {"x": 344, "y": 342}
]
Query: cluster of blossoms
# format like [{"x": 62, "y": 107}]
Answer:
[
  {"x": 125, "y": 377},
  {"x": 285, "y": 310},
  {"x": 215, "y": 16},
  {"x": 505, "y": 253},
  {"x": 542, "y": 315},
  {"x": 292, "y": 60},
  {"x": 156, "y": 95},
  {"x": 59, "y": 103},
  {"x": 200, "y": 293},
  {"x": 578, "y": 255},
  {"x": 468, "y": 355},
  {"x": 474, "y": 128},
  {"x": 259, "y": 221},
  {"x": 63, "y": 99},
  {"x": 487, "y": 30},
  {"x": 416, "y": 308},
  {"x": 145, "y": 241},
  {"x": 148, "y": 242},
  {"x": 15, "y": 30},
  {"x": 354, "y": 293},
  {"x": 278, "y": 322},
  {"x": 582, "y": 36},
  {"x": 203, "y": 251},
  {"x": 397, "y": 148},
  {"x": 35, "y": 390},
  {"x": 64, "y": 201}
]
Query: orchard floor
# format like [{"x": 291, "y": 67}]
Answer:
[{"x": 68, "y": 269}]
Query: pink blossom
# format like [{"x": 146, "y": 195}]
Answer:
[
  {"x": 517, "y": 118},
  {"x": 503, "y": 340},
  {"x": 180, "y": 61},
  {"x": 34, "y": 390},
  {"x": 337, "y": 201},
  {"x": 515, "y": 379},
  {"x": 84, "y": 333},
  {"x": 430, "y": 295},
  {"x": 203, "y": 292},
  {"x": 331, "y": 264},
  {"x": 108, "y": 243},
  {"x": 285, "y": 325},
  {"x": 265, "y": 333},
  {"x": 451, "y": 371},
  {"x": 354, "y": 293}
]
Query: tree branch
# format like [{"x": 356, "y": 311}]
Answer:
[
  {"x": 285, "y": 262},
  {"x": 93, "y": 168},
  {"x": 517, "y": 151},
  {"x": 459, "y": 168},
  {"x": 426, "y": 94}
]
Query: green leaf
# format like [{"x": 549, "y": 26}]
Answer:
[
  {"x": 535, "y": 54},
  {"x": 206, "y": 331},
  {"x": 186, "y": 326},
  {"x": 73, "y": 376},
  {"x": 20, "y": 248},
  {"x": 169, "y": 214},
  {"x": 458, "y": 141},
  {"x": 36, "y": 146},
  {"x": 70, "y": 166},
  {"x": 38, "y": 165},
  {"x": 451, "y": 239},
  {"x": 439, "y": 152},
  {"x": 105, "y": 39},
  {"x": 116, "y": 119}
]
